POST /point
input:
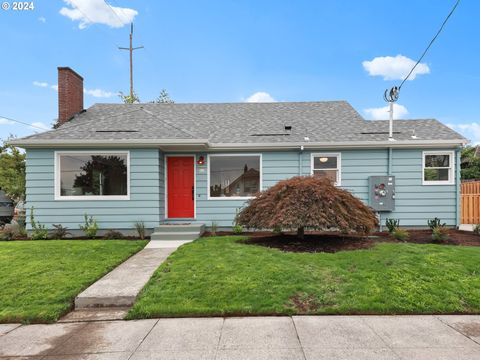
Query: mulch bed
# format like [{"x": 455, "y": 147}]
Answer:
[{"x": 333, "y": 242}]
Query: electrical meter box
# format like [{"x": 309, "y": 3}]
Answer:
[{"x": 382, "y": 192}]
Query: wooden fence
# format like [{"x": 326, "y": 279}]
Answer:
[{"x": 470, "y": 202}]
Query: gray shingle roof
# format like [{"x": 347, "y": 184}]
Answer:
[{"x": 239, "y": 123}]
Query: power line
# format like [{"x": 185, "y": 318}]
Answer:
[
  {"x": 114, "y": 12},
  {"x": 430, "y": 44},
  {"x": 23, "y": 123}
]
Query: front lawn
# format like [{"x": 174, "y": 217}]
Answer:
[
  {"x": 221, "y": 276},
  {"x": 40, "y": 279}
]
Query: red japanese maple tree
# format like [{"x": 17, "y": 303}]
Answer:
[{"x": 311, "y": 202}]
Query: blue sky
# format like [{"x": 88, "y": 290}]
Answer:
[{"x": 233, "y": 51}]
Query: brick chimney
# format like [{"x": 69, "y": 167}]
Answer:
[{"x": 70, "y": 94}]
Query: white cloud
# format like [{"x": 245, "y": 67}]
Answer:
[
  {"x": 259, "y": 97},
  {"x": 471, "y": 131},
  {"x": 4, "y": 121},
  {"x": 42, "y": 19},
  {"x": 89, "y": 12},
  {"x": 54, "y": 87},
  {"x": 98, "y": 93},
  {"x": 38, "y": 124},
  {"x": 394, "y": 68},
  {"x": 40, "y": 84},
  {"x": 382, "y": 113}
]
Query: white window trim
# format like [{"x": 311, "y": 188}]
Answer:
[
  {"x": 233, "y": 197},
  {"x": 451, "y": 172},
  {"x": 58, "y": 195},
  {"x": 328, "y": 154},
  {"x": 165, "y": 179}
]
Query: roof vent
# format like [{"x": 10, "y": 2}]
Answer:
[{"x": 288, "y": 127}]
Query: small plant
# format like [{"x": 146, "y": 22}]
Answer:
[
  {"x": 90, "y": 227},
  {"x": 400, "y": 234},
  {"x": 39, "y": 231},
  {"x": 9, "y": 232},
  {"x": 60, "y": 232},
  {"x": 277, "y": 229},
  {"x": 392, "y": 224},
  {"x": 140, "y": 227},
  {"x": 476, "y": 229},
  {"x": 440, "y": 234},
  {"x": 213, "y": 228},
  {"x": 237, "y": 229},
  {"x": 113, "y": 235},
  {"x": 433, "y": 223}
]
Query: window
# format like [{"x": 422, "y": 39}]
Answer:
[
  {"x": 92, "y": 176},
  {"x": 438, "y": 167},
  {"x": 329, "y": 165},
  {"x": 234, "y": 176}
]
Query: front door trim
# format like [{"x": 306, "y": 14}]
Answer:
[{"x": 165, "y": 180}]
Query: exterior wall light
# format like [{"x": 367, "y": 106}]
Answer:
[{"x": 201, "y": 160}]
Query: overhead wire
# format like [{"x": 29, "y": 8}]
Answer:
[
  {"x": 430, "y": 44},
  {"x": 23, "y": 123}
]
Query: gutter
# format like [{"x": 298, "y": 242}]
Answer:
[{"x": 205, "y": 144}]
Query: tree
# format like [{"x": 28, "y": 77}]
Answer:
[
  {"x": 470, "y": 163},
  {"x": 12, "y": 171},
  {"x": 164, "y": 98},
  {"x": 127, "y": 99},
  {"x": 307, "y": 202}
]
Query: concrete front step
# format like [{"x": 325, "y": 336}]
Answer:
[
  {"x": 200, "y": 228},
  {"x": 180, "y": 232},
  {"x": 95, "y": 314},
  {"x": 177, "y": 235}
]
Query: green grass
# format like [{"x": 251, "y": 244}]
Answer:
[
  {"x": 220, "y": 276},
  {"x": 40, "y": 279}
]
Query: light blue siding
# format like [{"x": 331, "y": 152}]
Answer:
[
  {"x": 415, "y": 203},
  {"x": 146, "y": 193}
]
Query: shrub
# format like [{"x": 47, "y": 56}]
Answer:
[
  {"x": 392, "y": 224},
  {"x": 237, "y": 229},
  {"x": 440, "y": 234},
  {"x": 39, "y": 231},
  {"x": 60, "y": 232},
  {"x": 140, "y": 227},
  {"x": 277, "y": 229},
  {"x": 476, "y": 229},
  {"x": 400, "y": 234},
  {"x": 90, "y": 227},
  {"x": 213, "y": 228},
  {"x": 307, "y": 202},
  {"x": 113, "y": 235},
  {"x": 9, "y": 232},
  {"x": 433, "y": 223}
]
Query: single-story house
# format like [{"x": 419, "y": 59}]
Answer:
[{"x": 199, "y": 163}]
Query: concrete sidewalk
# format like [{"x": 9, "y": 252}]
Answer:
[{"x": 298, "y": 337}]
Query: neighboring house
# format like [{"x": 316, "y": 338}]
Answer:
[{"x": 156, "y": 163}]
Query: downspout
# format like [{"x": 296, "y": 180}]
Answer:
[
  {"x": 300, "y": 160},
  {"x": 457, "y": 186}
]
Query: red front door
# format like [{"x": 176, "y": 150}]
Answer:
[{"x": 180, "y": 179}]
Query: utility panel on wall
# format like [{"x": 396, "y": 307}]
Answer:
[{"x": 381, "y": 192}]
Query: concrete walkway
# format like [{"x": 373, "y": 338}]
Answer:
[
  {"x": 298, "y": 337},
  {"x": 120, "y": 287}
]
